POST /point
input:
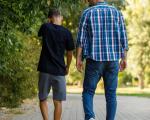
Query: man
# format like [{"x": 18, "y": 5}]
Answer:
[
  {"x": 102, "y": 41},
  {"x": 56, "y": 39}
]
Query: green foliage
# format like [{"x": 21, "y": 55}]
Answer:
[
  {"x": 19, "y": 48},
  {"x": 138, "y": 25},
  {"x": 74, "y": 77},
  {"x": 19, "y": 79},
  {"x": 125, "y": 79}
]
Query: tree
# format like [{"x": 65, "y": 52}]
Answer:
[
  {"x": 19, "y": 49},
  {"x": 137, "y": 14},
  {"x": 19, "y": 46}
]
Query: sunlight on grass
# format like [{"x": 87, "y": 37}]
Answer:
[{"x": 129, "y": 91}]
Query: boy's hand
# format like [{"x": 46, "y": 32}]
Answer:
[
  {"x": 69, "y": 59},
  {"x": 67, "y": 70}
]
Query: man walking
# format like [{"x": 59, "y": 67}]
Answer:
[
  {"x": 55, "y": 40},
  {"x": 102, "y": 41}
]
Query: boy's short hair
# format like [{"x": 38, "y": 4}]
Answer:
[{"x": 53, "y": 12}]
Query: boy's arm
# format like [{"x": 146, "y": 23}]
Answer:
[
  {"x": 69, "y": 50},
  {"x": 69, "y": 59},
  {"x": 41, "y": 33}
]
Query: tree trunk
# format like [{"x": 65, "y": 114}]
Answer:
[
  {"x": 141, "y": 81},
  {"x": 80, "y": 83}
]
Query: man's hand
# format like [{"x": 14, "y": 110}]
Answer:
[
  {"x": 123, "y": 65},
  {"x": 123, "y": 62},
  {"x": 79, "y": 64}
]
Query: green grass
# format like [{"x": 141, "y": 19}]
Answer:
[
  {"x": 130, "y": 91},
  {"x": 147, "y": 95}
]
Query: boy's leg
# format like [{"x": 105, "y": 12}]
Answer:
[
  {"x": 44, "y": 109},
  {"x": 44, "y": 88},
  {"x": 57, "y": 109},
  {"x": 59, "y": 94}
]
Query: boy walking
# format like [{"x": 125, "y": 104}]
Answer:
[{"x": 55, "y": 41}]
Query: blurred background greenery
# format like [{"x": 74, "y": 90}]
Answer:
[{"x": 20, "y": 46}]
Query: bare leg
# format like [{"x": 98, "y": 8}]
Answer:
[
  {"x": 44, "y": 109},
  {"x": 57, "y": 110}
]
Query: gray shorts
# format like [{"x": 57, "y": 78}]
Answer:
[{"x": 58, "y": 84}]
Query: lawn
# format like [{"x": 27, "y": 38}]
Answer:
[{"x": 129, "y": 91}]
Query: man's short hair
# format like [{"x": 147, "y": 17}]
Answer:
[{"x": 53, "y": 12}]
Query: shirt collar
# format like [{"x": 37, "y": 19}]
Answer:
[{"x": 101, "y": 3}]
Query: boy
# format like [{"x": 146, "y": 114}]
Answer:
[{"x": 55, "y": 40}]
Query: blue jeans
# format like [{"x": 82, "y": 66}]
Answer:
[{"x": 93, "y": 72}]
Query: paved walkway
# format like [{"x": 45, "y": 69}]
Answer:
[{"x": 129, "y": 108}]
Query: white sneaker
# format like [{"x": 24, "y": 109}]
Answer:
[{"x": 91, "y": 119}]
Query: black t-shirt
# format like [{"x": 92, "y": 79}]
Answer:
[{"x": 55, "y": 40}]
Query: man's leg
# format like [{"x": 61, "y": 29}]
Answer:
[
  {"x": 44, "y": 109},
  {"x": 92, "y": 76},
  {"x": 110, "y": 83},
  {"x": 57, "y": 109}
]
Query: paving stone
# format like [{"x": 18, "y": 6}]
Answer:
[{"x": 129, "y": 108}]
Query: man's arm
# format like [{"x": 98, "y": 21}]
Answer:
[
  {"x": 81, "y": 39},
  {"x": 79, "y": 63},
  {"x": 123, "y": 33},
  {"x": 124, "y": 42}
]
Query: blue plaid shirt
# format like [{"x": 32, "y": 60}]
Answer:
[{"x": 102, "y": 33}]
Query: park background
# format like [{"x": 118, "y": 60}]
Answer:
[{"x": 20, "y": 47}]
